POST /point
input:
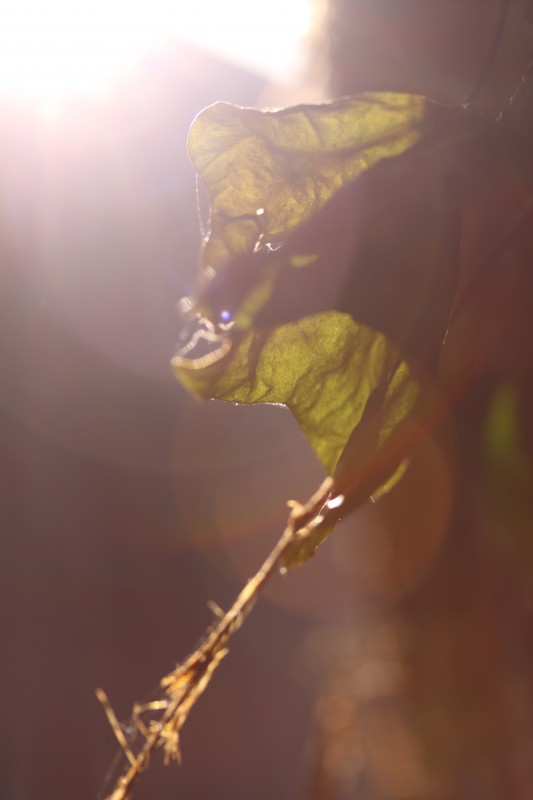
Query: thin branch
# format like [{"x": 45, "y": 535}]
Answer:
[{"x": 184, "y": 685}]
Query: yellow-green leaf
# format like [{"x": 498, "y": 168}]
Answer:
[
  {"x": 290, "y": 162},
  {"x": 304, "y": 298},
  {"x": 324, "y": 368}
]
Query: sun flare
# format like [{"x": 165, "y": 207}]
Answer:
[{"x": 51, "y": 50}]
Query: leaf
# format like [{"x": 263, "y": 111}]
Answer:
[
  {"x": 290, "y": 162},
  {"x": 324, "y": 368},
  {"x": 329, "y": 270},
  {"x": 384, "y": 248}
]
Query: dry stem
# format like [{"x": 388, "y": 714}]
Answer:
[{"x": 185, "y": 684}]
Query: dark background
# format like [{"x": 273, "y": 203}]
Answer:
[{"x": 126, "y": 506}]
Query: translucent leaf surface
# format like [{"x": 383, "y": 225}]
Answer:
[
  {"x": 300, "y": 301},
  {"x": 324, "y": 368},
  {"x": 290, "y": 162}
]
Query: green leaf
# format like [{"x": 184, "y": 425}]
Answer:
[
  {"x": 290, "y": 162},
  {"x": 324, "y": 368},
  {"x": 328, "y": 273},
  {"x": 348, "y": 388}
]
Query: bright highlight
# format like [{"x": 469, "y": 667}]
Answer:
[{"x": 51, "y": 50}]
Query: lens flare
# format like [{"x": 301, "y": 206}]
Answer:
[{"x": 52, "y": 50}]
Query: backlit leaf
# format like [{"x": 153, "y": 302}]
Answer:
[
  {"x": 290, "y": 162},
  {"x": 324, "y": 368},
  {"x": 329, "y": 270}
]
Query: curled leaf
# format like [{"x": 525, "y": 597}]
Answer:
[
  {"x": 286, "y": 164},
  {"x": 329, "y": 272}
]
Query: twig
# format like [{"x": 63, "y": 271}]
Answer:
[{"x": 185, "y": 684}]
